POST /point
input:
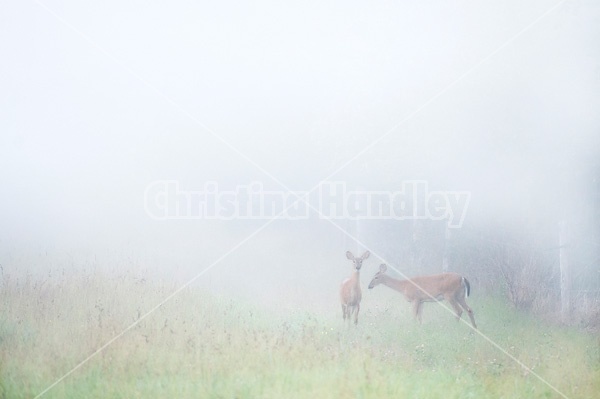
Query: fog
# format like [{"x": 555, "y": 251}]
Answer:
[{"x": 100, "y": 100}]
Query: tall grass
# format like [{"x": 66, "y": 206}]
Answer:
[{"x": 202, "y": 345}]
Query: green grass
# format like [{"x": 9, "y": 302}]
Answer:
[{"x": 205, "y": 346}]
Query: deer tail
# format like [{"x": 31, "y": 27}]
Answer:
[{"x": 467, "y": 286}]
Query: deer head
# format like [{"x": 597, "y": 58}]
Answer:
[
  {"x": 357, "y": 261},
  {"x": 378, "y": 276}
]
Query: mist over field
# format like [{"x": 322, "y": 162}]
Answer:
[{"x": 498, "y": 101}]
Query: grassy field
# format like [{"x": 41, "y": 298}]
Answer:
[{"x": 201, "y": 345}]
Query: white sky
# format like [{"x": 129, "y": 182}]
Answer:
[{"x": 99, "y": 99}]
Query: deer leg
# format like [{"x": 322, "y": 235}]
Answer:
[
  {"x": 466, "y": 307},
  {"x": 457, "y": 308},
  {"x": 344, "y": 310},
  {"x": 418, "y": 307},
  {"x": 356, "y": 314}
]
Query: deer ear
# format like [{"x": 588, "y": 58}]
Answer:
[
  {"x": 349, "y": 255},
  {"x": 366, "y": 255},
  {"x": 382, "y": 268}
]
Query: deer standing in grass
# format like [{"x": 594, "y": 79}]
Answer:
[
  {"x": 350, "y": 292},
  {"x": 449, "y": 286}
]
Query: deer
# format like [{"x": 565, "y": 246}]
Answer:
[
  {"x": 452, "y": 287},
  {"x": 350, "y": 293}
]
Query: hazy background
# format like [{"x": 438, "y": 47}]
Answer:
[{"x": 100, "y": 99}]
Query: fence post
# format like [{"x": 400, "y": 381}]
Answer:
[{"x": 565, "y": 273}]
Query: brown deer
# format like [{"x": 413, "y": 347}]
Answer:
[
  {"x": 350, "y": 292},
  {"x": 449, "y": 286}
]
